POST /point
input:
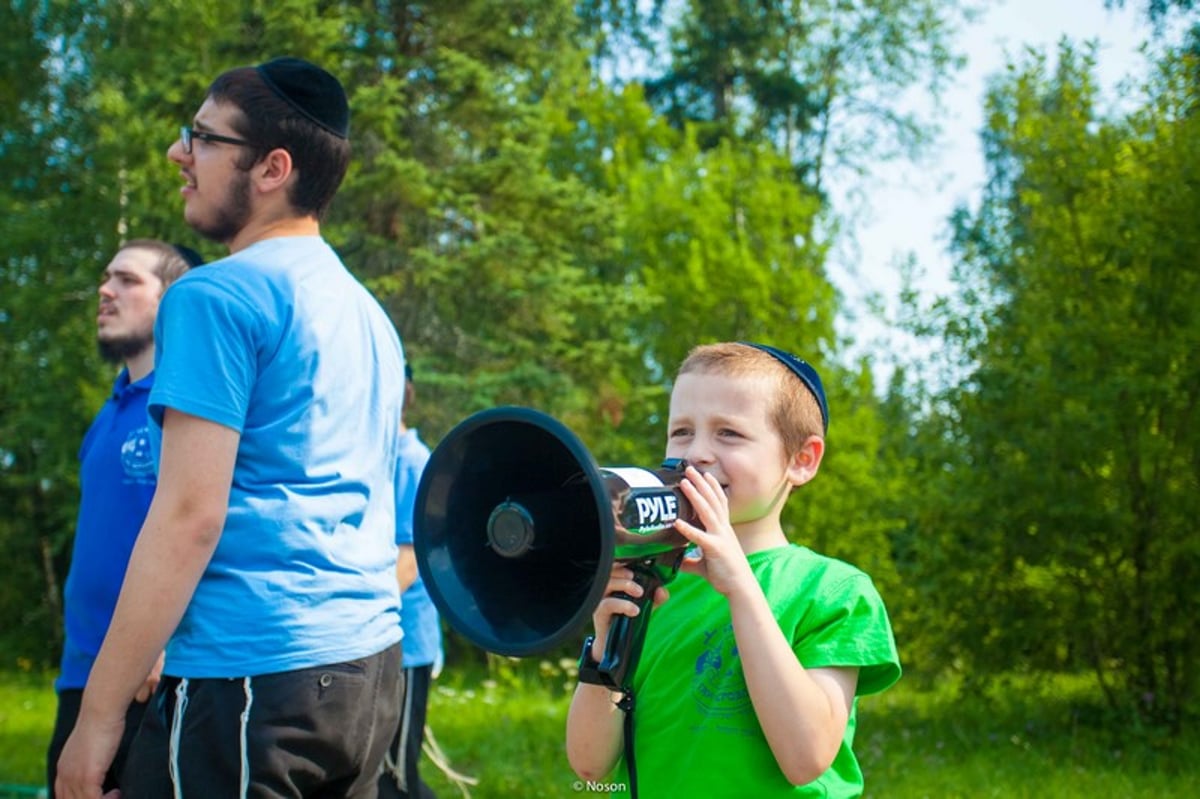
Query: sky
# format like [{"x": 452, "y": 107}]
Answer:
[{"x": 908, "y": 207}]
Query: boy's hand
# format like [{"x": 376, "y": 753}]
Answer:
[
  {"x": 722, "y": 561},
  {"x": 620, "y": 581}
]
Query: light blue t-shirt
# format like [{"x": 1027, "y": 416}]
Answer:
[
  {"x": 281, "y": 343},
  {"x": 418, "y": 615}
]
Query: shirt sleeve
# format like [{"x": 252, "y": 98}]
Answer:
[
  {"x": 852, "y": 630},
  {"x": 207, "y": 343}
]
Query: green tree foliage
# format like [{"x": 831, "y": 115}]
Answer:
[
  {"x": 47, "y": 276},
  {"x": 818, "y": 80},
  {"x": 480, "y": 242},
  {"x": 1061, "y": 477}
]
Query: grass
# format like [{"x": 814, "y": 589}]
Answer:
[
  {"x": 1020, "y": 738},
  {"x": 1029, "y": 737},
  {"x": 27, "y": 708}
]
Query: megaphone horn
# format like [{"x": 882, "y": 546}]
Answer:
[{"x": 516, "y": 530}]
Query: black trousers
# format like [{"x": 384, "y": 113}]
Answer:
[
  {"x": 321, "y": 732},
  {"x": 401, "y": 778}
]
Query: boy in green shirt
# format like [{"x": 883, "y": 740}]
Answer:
[{"x": 748, "y": 679}]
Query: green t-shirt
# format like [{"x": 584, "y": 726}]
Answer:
[{"x": 695, "y": 730}]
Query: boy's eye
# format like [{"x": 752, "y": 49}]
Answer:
[{"x": 679, "y": 432}]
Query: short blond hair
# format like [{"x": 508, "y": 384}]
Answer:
[{"x": 795, "y": 413}]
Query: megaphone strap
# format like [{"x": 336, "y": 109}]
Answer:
[{"x": 626, "y": 704}]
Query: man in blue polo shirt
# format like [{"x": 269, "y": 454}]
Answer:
[{"x": 116, "y": 478}]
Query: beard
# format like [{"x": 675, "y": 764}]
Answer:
[
  {"x": 230, "y": 218},
  {"x": 120, "y": 348}
]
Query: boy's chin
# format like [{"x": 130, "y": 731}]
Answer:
[{"x": 757, "y": 512}]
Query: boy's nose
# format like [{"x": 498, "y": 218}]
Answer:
[{"x": 699, "y": 452}]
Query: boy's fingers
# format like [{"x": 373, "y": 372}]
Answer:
[{"x": 615, "y": 605}]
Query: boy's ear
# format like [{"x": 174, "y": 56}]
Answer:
[{"x": 806, "y": 461}]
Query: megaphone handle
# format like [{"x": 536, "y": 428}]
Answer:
[{"x": 623, "y": 645}]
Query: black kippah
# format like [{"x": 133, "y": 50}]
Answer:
[
  {"x": 192, "y": 257},
  {"x": 801, "y": 369},
  {"x": 312, "y": 91}
]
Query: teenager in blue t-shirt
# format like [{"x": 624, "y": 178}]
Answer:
[
  {"x": 423, "y": 655},
  {"x": 266, "y": 565},
  {"x": 116, "y": 479}
]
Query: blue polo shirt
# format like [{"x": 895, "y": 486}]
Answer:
[{"x": 116, "y": 481}]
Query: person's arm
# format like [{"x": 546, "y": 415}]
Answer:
[
  {"x": 406, "y": 566},
  {"x": 803, "y": 713},
  {"x": 595, "y": 731},
  {"x": 175, "y": 544}
]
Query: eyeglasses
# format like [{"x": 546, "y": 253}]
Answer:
[{"x": 187, "y": 134}]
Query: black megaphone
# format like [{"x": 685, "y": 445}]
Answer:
[{"x": 516, "y": 530}]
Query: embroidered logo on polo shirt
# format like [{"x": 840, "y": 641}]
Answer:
[{"x": 137, "y": 456}]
